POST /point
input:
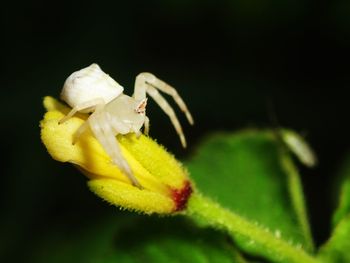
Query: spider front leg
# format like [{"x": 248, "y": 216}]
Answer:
[
  {"x": 150, "y": 79},
  {"x": 145, "y": 129},
  {"x": 92, "y": 104},
  {"x": 79, "y": 132},
  {"x": 147, "y": 83},
  {"x": 146, "y": 125},
  {"x": 96, "y": 104},
  {"x": 104, "y": 133}
]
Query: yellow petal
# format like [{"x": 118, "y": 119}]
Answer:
[
  {"x": 130, "y": 197},
  {"x": 165, "y": 182}
]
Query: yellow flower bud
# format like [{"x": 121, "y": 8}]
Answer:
[{"x": 166, "y": 186}]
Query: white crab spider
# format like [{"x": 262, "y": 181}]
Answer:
[{"x": 113, "y": 112}]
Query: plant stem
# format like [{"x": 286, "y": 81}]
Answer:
[
  {"x": 297, "y": 196},
  {"x": 250, "y": 236}
]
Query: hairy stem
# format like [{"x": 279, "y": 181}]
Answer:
[{"x": 248, "y": 235}]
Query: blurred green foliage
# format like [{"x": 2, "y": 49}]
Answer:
[
  {"x": 123, "y": 237},
  {"x": 336, "y": 249}
]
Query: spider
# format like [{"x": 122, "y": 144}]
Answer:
[{"x": 90, "y": 90}]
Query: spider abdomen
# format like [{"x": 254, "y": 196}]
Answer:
[{"x": 89, "y": 84}]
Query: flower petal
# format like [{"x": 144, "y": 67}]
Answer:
[
  {"x": 160, "y": 174},
  {"x": 130, "y": 197}
]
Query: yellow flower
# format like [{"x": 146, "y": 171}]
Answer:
[{"x": 166, "y": 186}]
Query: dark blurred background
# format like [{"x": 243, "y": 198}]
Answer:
[{"x": 226, "y": 58}]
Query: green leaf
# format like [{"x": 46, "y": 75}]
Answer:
[
  {"x": 125, "y": 237},
  {"x": 337, "y": 248},
  {"x": 344, "y": 197},
  {"x": 244, "y": 173}
]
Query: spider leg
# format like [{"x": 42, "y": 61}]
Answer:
[
  {"x": 84, "y": 106},
  {"x": 84, "y": 126},
  {"x": 153, "y": 81},
  {"x": 164, "y": 105},
  {"x": 146, "y": 130},
  {"x": 104, "y": 134},
  {"x": 79, "y": 132},
  {"x": 147, "y": 83}
]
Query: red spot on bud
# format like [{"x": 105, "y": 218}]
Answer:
[{"x": 180, "y": 196}]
